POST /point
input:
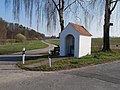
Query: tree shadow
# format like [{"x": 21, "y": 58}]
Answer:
[{"x": 15, "y": 58}]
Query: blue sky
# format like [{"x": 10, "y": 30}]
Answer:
[{"x": 94, "y": 28}]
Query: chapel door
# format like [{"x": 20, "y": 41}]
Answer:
[{"x": 70, "y": 45}]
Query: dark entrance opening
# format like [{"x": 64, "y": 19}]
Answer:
[{"x": 70, "y": 45}]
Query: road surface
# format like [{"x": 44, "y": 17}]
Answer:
[{"x": 98, "y": 77}]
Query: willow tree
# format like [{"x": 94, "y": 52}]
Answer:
[{"x": 50, "y": 10}]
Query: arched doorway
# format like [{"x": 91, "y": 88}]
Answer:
[{"x": 70, "y": 45}]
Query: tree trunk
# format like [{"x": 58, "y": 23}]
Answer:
[
  {"x": 60, "y": 9},
  {"x": 106, "y": 40},
  {"x": 61, "y": 14},
  {"x": 61, "y": 22}
]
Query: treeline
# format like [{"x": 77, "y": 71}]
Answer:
[{"x": 10, "y": 30}]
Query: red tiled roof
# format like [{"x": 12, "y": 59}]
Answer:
[{"x": 80, "y": 29}]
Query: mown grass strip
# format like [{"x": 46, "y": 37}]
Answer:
[
  {"x": 17, "y": 47},
  {"x": 71, "y": 62}
]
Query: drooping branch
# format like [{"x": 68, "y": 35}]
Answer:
[
  {"x": 16, "y": 9},
  {"x": 81, "y": 5},
  {"x": 7, "y": 2},
  {"x": 50, "y": 9},
  {"x": 114, "y": 1},
  {"x": 69, "y": 5},
  {"x": 55, "y": 5},
  {"x": 31, "y": 11},
  {"x": 59, "y": 5},
  {"x": 38, "y": 13}
]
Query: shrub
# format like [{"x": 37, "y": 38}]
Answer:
[{"x": 20, "y": 37}]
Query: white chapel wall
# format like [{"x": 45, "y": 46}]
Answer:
[{"x": 85, "y": 45}]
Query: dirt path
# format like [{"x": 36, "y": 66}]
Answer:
[{"x": 38, "y": 51}]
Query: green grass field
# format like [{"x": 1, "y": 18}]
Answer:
[
  {"x": 96, "y": 42},
  {"x": 61, "y": 63},
  {"x": 12, "y": 47},
  {"x": 17, "y": 47},
  {"x": 53, "y": 41}
]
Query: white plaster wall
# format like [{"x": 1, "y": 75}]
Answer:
[
  {"x": 62, "y": 45},
  {"x": 77, "y": 46},
  {"x": 82, "y": 43},
  {"x": 85, "y": 45},
  {"x": 69, "y": 30}
]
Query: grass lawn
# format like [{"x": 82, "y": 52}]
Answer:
[
  {"x": 60, "y": 63},
  {"x": 17, "y": 47}
]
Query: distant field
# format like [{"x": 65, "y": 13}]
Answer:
[
  {"x": 7, "y": 42},
  {"x": 53, "y": 41},
  {"x": 10, "y": 46},
  {"x": 17, "y": 47},
  {"x": 96, "y": 43}
]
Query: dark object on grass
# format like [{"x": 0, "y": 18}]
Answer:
[
  {"x": 117, "y": 45},
  {"x": 56, "y": 51}
]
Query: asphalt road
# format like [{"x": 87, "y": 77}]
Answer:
[{"x": 98, "y": 77}]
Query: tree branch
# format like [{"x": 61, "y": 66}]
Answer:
[
  {"x": 55, "y": 5},
  {"x": 69, "y": 5},
  {"x": 114, "y": 5},
  {"x": 112, "y": 2},
  {"x": 81, "y": 5},
  {"x": 63, "y": 4},
  {"x": 59, "y": 4}
]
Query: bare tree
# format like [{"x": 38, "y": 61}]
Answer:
[
  {"x": 109, "y": 7},
  {"x": 60, "y": 8}
]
